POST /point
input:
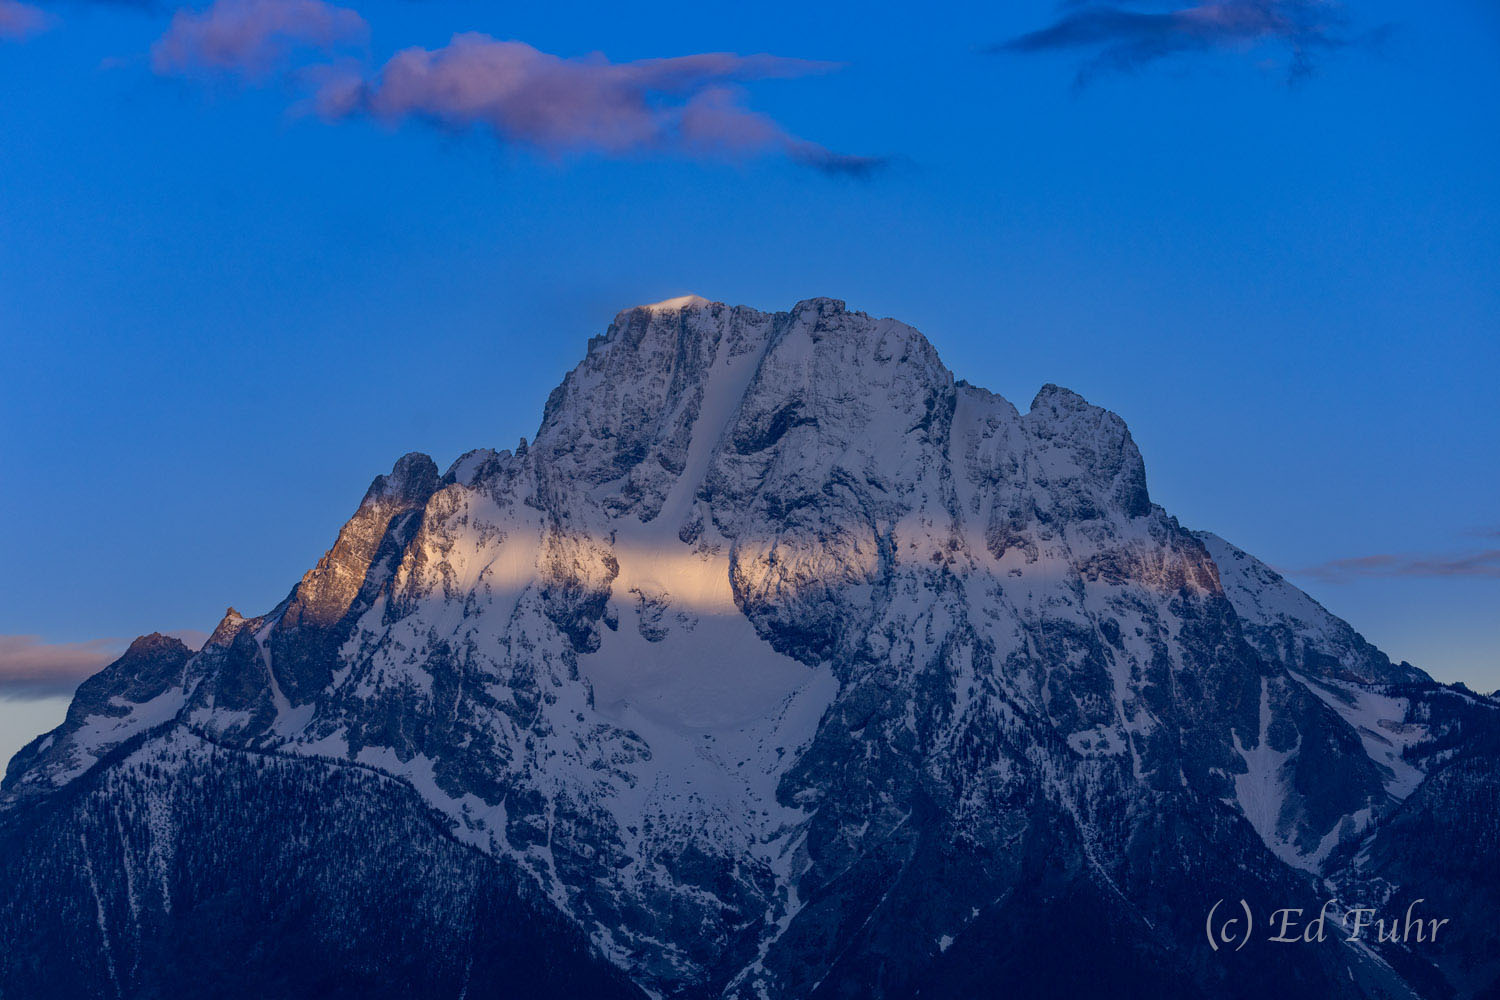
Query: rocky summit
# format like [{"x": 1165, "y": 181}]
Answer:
[{"x": 779, "y": 664}]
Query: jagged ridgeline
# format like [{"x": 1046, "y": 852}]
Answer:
[{"x": 779, "y": 665}]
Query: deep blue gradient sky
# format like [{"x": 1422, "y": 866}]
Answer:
[{"x": 220, "y": 319}]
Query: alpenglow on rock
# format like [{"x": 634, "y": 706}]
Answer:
[{"x": 778, "y": 665}]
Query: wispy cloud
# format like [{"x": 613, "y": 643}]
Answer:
[
  {"x": 253, "y": 38},
  {"x": 21, "y": 20},
  {"x": 1125, "y": 36},
  {"x": 688, "y": 106},
  {"x": 1485, "y": 563},
  {"x": 32, "y": 668}
]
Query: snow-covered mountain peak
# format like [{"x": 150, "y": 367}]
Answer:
[
  {"x": 156, "y": 646},
  {"x": 225, "y": 631},
  {"x": 1088, "y": 447},
  {"x": 778, "y": 644},
  {"x": 679, "y": 304}
]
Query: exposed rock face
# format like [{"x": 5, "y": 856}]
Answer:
[
  {"x": 320, "y": 613},
  {"x": 779, "y": 664}
]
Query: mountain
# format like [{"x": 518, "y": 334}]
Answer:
[{"x": 780, "y": 664}]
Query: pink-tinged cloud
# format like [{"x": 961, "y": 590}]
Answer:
[
  {"x": 30, "y": 667},
  {"x": 689, "y": 105},
  {"x": 33, "y": 668},
  {"x": 252, "y": 38},
  {"x": 19, "y": 21}
]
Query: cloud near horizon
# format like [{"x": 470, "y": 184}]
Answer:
[
  {"x": 688, "y": 106},
  {"x": 31, "y": 668},
  {"x": 1124, "y": 37},
  {"x": 1481, "y": 564},
  {"x": 20, "y": 21}
]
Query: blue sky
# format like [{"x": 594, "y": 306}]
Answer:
[{"x": 223, "y": 313}]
